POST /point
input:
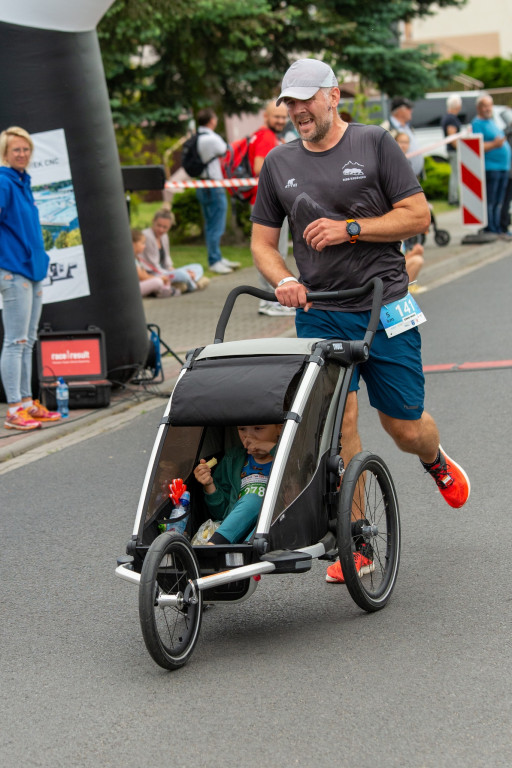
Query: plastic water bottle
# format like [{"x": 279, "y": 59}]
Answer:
[
  {"x": 62, "y": 395},
  {"x": 178, "y": 518}
]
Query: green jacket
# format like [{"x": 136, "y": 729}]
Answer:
[{"x": 227, "y": 479}]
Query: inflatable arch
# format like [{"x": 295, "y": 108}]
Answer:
[{"x": 53, "y": 85}]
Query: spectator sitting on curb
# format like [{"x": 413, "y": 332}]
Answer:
[
  {"x": 150, "y": 285},
  {"x": 156, "y": 258}
]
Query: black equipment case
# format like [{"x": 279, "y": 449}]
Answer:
[{"x": 80, "y": 358}]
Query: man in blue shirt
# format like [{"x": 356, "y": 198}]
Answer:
[{"x": 497, "y": 161}]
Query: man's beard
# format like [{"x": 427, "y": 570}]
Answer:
[{"x": 321, "y": 130}]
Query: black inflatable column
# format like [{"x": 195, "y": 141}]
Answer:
[{"x": 55, "y": 80}]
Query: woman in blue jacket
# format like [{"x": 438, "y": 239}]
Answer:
[{"x": 23, "y": 267}]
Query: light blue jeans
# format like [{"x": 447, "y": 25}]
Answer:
[
  {"x": 181, "y": 275},
  {"x": 214, "y": 205},
  {"x": 22, "y": 305},
  {"x": 242, "y": 518}
]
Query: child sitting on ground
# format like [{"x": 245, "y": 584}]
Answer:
[
  {"x": 236, "y": 494},
  {"x": 150, "y": 285}
]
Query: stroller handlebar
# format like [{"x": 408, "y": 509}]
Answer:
[{"x": 375, "y": 285}]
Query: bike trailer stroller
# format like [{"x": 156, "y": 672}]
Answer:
[{"x": 313, "y": 507}]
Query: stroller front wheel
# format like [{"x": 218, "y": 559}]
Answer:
[
  {"x": 368, "y": 530},
  {"x": 170, "y": 629}
]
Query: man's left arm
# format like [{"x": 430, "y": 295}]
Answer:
[{"x": 407, "y": 218}]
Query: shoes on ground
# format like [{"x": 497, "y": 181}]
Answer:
[
  {"x": 274, "y": 309},
  {"x": 21, "y": 420},
  {"x": 202, "y": 283},
  {"x": 505, "y": 235},
  {"x": 40, "y": 413},
  {"x": 180, "y": 286},
  {"x": 219, "y": 268},
  {"x": 452, "y": 481},
  {"x": 363, "y": 565},
  {"x": 231, "y": 264}
]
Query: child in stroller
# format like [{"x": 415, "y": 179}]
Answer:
[{"x": 235, "y": 494}]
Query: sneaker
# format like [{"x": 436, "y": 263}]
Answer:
[
  {"x": 275, "y": 309},
  {"x": 40, "y": 413},
  {"x": 231, "y": 264},
  {"x": 21, "y": 420},
  {"x": 203, "y": 283},
  {"x": 452, "y": 481},
  {"x": 180, "y": 286},
  {"x": 363, "y": 566},
  {"x": 219, "y": 268}
]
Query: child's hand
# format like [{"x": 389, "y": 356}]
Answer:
[{"x": 203, "y": 475}]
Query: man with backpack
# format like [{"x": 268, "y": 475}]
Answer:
[
  {"x": 262, "y": 142},
  {"x": 213, "y": 202}
]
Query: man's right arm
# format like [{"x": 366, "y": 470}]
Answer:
[{"x": 268, "y": 260}]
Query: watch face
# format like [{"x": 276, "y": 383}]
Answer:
[{"x": 353, "y": 228}]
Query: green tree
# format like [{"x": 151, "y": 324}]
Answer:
[
  {"x": 232, "y": 54},
  {"x": 494, "y": 72}
]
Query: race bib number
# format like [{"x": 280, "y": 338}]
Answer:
[{"x": 398, "y": 316}]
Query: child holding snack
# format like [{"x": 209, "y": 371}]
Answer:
[{"x": 236, "y": 494}]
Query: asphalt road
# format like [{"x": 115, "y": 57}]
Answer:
[{"x": 297, "y": 675}]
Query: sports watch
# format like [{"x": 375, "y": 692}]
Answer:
[{"x": 353, "y": 229}]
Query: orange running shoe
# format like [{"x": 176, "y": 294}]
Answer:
[
  {"x": 363, "y": 565},
  {"x": 452, "y": 481},
  {"x": 40, "y": 413},
  {"x": 21, "y": 420}
]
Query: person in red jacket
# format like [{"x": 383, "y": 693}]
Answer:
[{"x": 262, "y": 142}]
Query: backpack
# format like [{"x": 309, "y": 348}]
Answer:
[
  {"x": 190, "y": 159},
  {"x": 235, "y": 165}
]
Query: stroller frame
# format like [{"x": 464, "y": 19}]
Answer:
[{"x": 175, "y": 577}]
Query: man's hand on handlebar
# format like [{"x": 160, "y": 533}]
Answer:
[{"x": 292, "y": 295}]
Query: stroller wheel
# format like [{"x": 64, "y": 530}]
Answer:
[
  {"x": 170, "y": 631},
  {"x": 442, "y": 237},
  {"x": 368, "y": 531}
]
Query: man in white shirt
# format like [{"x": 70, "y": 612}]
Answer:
[
  {"x": 213, "y": 202},
  {"x": 400, "y": 120}
]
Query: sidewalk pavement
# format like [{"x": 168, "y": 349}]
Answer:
[{"x": 190, "y": 320}]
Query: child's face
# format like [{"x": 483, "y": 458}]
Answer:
[
  {"x": 264, "y": 433},
  {"x": 139, "y": 245}
]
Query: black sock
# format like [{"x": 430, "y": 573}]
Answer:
[{"x": 437, "y": 460}]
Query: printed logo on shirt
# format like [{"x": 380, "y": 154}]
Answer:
[
  {"x": 352, "y": 171},
  {"x": 291, "y": 183}
]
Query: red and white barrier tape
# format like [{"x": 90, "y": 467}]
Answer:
[
  {"x": 210, "y": 183},
  {"x": 439, "y": 143}
]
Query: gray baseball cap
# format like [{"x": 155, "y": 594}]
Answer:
[{"x": 304, "y": 78}]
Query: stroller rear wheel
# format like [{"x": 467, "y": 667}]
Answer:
[
  {"x": 368, "y": 527},
  {"x": 442, "y": 237},
  {"x": 170, "y": 631}
]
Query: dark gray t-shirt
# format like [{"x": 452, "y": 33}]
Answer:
[{"x": 361, "y": 177}]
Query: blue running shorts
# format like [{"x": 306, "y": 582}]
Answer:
[{"x": 393, "y": 374}]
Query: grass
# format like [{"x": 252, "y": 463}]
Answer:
[{"x": 193, "y": 253}]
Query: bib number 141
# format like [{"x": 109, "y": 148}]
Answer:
[{"x": 398, "y": 316}]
